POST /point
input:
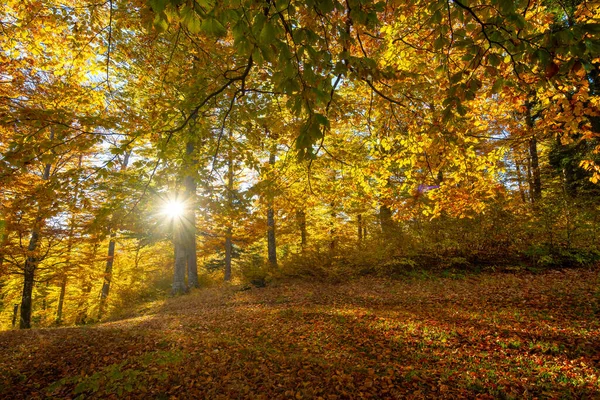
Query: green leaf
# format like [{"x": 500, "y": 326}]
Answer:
[
  {"x": 213, "y": 27},
  {"x": 438, "y": 44},
  {"x": 158, "y": 6},
  {"x": 456, "y": 77},
  {"x": 325, "y": 6},
  {"x": 592, "y": 28},
  {"x": 498, "y": 85},
  {"x": 267, "y": 34},
  {"x": 160, "y": 23},
  {"x": 494, "y": 59},
  {"x": 194, "y": 25},
  {"x": 321, "y": 119}
]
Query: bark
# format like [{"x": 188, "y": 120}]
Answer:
[
  {"x": 28, "y": 279},
  {"x": 15, "y": 313},
  {"x": 190, "y": 225},
  {"x": 110, "y": 257},
  {"x": 520, "y": 181},
  {"x": 536, "y": 180},
  {"x": 31, "y": 262},
  {"x": 333, "y": 215},
  {"x": 63, "y": 283},
  {"x": 61, "y": 299},
  {"x": 179, "y": 286},
  {"x": 529, "y": 176},
  {"x": 82, "y": 314},
  {"x": 271, "y": 242},
  {"x": 228, "y": 251},
  {"x": 107, "y": 274},
  {"x": 3, "y": 243},
  {"x": 45, "y": 296},
  {"x": 359, "y": 224},
  {"x": 301, "y": 217},
  {"x": 385, "y": 219},
  {"x": 82, "y": 304},
  {"x": 228, "y": 233}
]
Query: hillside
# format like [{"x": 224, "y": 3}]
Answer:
[{"x": 481, "y": 336}]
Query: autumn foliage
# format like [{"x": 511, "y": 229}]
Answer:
[
  {"x": 485, "y": 336},
  {"x": 259, "y": 153}
]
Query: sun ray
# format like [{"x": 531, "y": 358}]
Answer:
[{"x": 173, "y": 209}]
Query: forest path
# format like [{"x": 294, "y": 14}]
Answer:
[{"x": 479, "y": 336}]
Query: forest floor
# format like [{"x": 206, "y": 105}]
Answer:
[{"x": 481, "y": 336}]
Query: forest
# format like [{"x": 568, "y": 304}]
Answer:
[{"x": 347, "y": 198}]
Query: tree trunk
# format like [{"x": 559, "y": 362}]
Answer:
[
  {"x": 271, "y": 244},
  {"x": 301, "y": 217},
  {"x": 179, "y": 286},
  {"x": 61, "y": 299},
  {"x": 332, "y": 244},
  {"x": 110, "y": 257},
  {"x": 359, "y": 224},
  {"x": 228, "y": 233},
  {"x": 72, "y": 224},
  {"x": 536, "y": 180},
  {"x": 190, "y": 219},
  {"x": 520, "y": 180},
  {"x": 31, "y": 261},
  {"x": 81, "y": 317},
  {"x": 3, "y": 242},
  {"x": 228, "y": 248},
  {"x": 387, "y": 224},
  {"x": 28, "y": 279},
  {"x": 15, "y": 313}
]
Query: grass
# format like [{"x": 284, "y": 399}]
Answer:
[{"x": 483, "y": 336}]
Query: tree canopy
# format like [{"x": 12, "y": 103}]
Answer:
[{"x": 297, "y": 137}]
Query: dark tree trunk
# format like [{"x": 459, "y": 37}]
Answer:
[
  {"x": 385, "y": 218},
  {"x": 190, "y": 219},
  {"x": 61, "y": 299},
  {"x": 228, "y": 254},
  {"x": 332, "y": 232},
  {"x": 536, "y": 180},
  {"x": 81, "y": 317},
  {"x": 230, "y": 198},
  {"x": 107, "y": 274},
  {"x": 31, "y": 262},
  {"x": 15, "y": 313},
  {"x": 359, "y": 224},
  {"x": 110, "y": 257},
  {"x": 45, "y": 296},
  {"x": 28, "y": 279},
  {"x": 271, "y": 243},
  {"x": 3, "y": 242},
  {"x": 301, "y": 217}
]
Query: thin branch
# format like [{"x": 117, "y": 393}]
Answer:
[
  {"x": 110, "y": 18},
  {"x": 195, "y": 110}
]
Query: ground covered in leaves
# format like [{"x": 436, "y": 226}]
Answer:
[{"x": 482, "y": 336}]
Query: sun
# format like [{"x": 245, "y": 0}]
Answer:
[{"x": 173, "y": 209}]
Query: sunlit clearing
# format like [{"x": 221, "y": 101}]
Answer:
[{"x": 173, "y": 209}]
